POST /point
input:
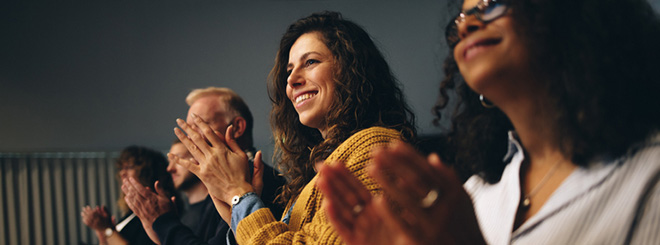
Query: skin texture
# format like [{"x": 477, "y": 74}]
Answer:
[
  {"x": 183, "y": 179},
  {"x": 407, "y": 177},
  {"x": 311, "y": 66},
  {"x": 147, "y": 204},
  {"x": 219, "y": 161},
  {"x": 479, "y": 58},
  {"x": 99, "y": 218},
  {"x": 449, "y": 219},
  {"x": 221, "y": 164}
]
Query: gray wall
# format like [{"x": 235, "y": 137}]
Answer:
[{"x": 88, "y": 76}]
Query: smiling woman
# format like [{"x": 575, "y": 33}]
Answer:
[
  {"x": 564, "y": 150},
  {"x": 310, "y": 85},
  {"x": 334, "y": 99}
]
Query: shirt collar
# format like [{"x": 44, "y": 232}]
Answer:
[{"x": 514, "y": 146}]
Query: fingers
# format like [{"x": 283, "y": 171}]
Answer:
[
  {"x": 194, "y": 142},
  {"x": 334, "y": 207},
  {"x": 343, "y": 228},
  {"x": 346, "y": 193},
  {"x": 208, "y": 133},
  {"x": 189, "y": 164},
  {"x": 231, "y": 141},
  {"x": 258, "y": 173},
  {"x": 105, "y": 209},
  {"x": 396, "y": 187},
  {"x": 405, "y": 173},
  {"x": 389, "y": 218}
]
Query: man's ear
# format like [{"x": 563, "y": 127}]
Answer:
[{"x": 239, "y": 126}]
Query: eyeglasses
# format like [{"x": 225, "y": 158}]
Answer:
[{"x": 485, "y": 11}]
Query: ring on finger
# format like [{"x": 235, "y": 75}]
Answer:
[
  {"x": 357, "y": 209},
  {"x": 430, "y": 198}
]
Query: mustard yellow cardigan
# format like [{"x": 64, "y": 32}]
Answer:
[{"x": 308, "y": 223}]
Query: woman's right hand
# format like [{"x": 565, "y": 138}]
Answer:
[
  {"x": 97, "y": 218},
  {"x": 432, "y": 206}
]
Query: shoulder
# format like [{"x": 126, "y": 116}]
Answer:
[
  {"x": 372, "y": 135},
  {"x": 360, "y": 144}
]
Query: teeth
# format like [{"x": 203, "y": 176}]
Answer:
[{"x": 304, "y": 97}]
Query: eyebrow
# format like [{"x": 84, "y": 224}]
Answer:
[{"x": 303, "y": 57}]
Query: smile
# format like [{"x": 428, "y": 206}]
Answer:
[
  {"x": 473, "y": 49},
  {"x": 305, "y": 96}
]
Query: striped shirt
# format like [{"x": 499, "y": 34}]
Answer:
[{"x": 613, "y": 201}]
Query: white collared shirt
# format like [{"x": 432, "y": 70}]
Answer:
[{"x": 594, "y": 205}]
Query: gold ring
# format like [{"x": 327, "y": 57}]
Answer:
[
  {"x": 357, "y": 209},
  {"x": 429, "y": 199}
]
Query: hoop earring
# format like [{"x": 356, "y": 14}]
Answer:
[{"x": 485, "y": 102}]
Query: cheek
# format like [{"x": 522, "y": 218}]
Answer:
[
  {"x": 457, "y": 56},
  {"x": 289, "y": 91}
]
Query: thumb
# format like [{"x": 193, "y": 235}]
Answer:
[
  {"x": 258, "y": 173},
  {"x": 435, "y": 161},
  {"x": 174, "y": 206}
]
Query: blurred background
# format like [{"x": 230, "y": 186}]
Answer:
[{"x": 80, "y": 80}]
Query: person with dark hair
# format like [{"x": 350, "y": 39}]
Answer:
[
  {"x": 334, "y": 98},
  {"x": 145, "y": 166},
  {"x": 201, "y": 223},
  {"x": 556, "y": 120}
]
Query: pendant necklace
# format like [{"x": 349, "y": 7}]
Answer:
[{"x": 526, "y": 202}]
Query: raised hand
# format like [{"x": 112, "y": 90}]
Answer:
[
  {"x": 218, "y": 162},
  {"x": 356, "y": 215},
  {"x": 146, "y": 204},
  {"x": 97, "y": 218},
  {"x": 258, "y": 174},
  {"x": 435, "y": 207},
  {"x": 431, "y": 205}
]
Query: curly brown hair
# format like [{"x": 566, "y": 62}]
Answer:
[
  {"x": 599, "y": 61},
  {"x": 150, "y": 166},
  {"x": 366, "y": 95}
]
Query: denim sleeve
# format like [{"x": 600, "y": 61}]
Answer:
[{"x": 249, "y": 204}]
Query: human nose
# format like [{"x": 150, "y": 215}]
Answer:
[
  {"x": 295, "y": 79},
  {"x": 467, "y": 24},
  {"x": 170, "y": 167}
]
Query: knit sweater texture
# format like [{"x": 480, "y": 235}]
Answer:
[{"x": 308, "y": 223}]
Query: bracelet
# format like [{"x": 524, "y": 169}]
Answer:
[{"x": 237, "y": 199}]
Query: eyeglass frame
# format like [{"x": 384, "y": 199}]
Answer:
[{"x": 451, "y": 31}]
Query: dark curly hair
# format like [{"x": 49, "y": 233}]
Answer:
[
  {"x": 598, "y": 60},
  {"x": 150, "y": 166},
  {"x": 366, "y": 95}
]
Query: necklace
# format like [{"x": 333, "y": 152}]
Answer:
[{"x": 527, "y": 199}]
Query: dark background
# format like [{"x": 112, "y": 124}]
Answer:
[{"x": 98, "y": 76}]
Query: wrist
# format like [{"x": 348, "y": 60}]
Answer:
[
  {"x": 238, "y": 199},
  {"x": 238, "y": 191}
]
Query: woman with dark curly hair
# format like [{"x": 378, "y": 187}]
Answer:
[
  {"x": 556, "y": 119},
  {"x": 146, "y": 166},
  {"x": 334, "y": 99}
]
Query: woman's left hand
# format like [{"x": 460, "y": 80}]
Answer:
[{"x": 219, "y": 163}]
